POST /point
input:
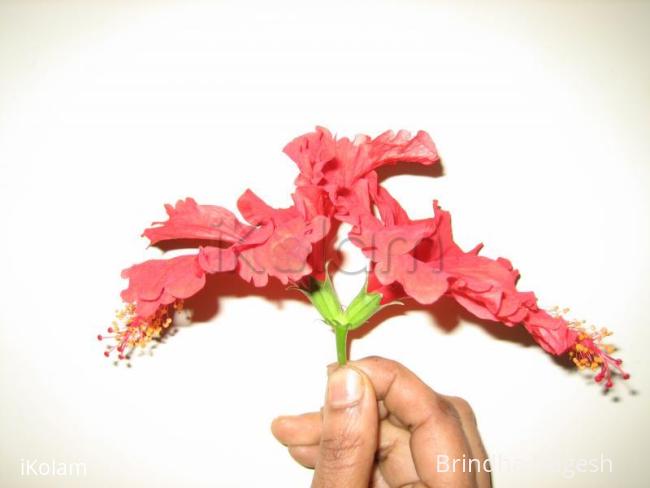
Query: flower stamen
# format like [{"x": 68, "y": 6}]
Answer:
[
  {"x": 129, "y": 330},
  {"x": 589, "y": 351}
]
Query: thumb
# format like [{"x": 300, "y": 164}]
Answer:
[{"x": 349, "y": 432}]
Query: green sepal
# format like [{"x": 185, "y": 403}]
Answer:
[
  {"x": 364, "y": 306},
  {"x": 323, "y": 296}
]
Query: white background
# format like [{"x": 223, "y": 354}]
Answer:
[{"x": 110, "y": 109}]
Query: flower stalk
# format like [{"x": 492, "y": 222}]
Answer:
[
  {"x": 323, "y": 296},
  {"x": 341, "y": 344}
]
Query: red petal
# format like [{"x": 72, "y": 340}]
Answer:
[
  {"x": 552, "y": 333},
  {"x": 390, "y": 210},
  {"x": 285, "y": 254},
  {"x": 311, "y": 201},
  {"x": 215, "y": 259},
  {"x": 390, "y": 148},
  {"x": 188, "y": 220},
  {"x": 311, "y": 152},
  {"x": 256, "y": 211},
  {"x": 420, "y": 281},
  {"x": 162, "y": 281}
]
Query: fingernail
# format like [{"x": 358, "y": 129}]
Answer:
[{"x": 344, "y": 388}]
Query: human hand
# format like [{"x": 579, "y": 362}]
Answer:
[{"x": 381, "y": 426}]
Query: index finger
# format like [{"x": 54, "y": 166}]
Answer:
[{"x": 437, "y": 436}]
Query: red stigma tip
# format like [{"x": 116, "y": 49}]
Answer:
[
  {"x": 110, "y": 330},
  {"x": 99, "y": 337},
  {"x": 106, "y": 353}
]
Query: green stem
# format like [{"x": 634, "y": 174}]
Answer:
[{"x": 341, "y": 344}]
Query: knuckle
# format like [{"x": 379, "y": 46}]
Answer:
[
  {"x": 446, "y": 406},
  {"x": 389, "y": 363},
  {"x": 391, "y": 367},
  {"x": 374, "y": 360},
  {"x": 464, "y": 409}
]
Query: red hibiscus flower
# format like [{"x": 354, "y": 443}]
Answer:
[
  {"x": 279, "y": 244},
  {"x": 346, "y": 168},
  {"x": 422, "y": 257},
  {"x": 337, "y": 182}
]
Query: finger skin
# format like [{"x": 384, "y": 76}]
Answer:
[
  {"x": 436, "y": 430},
  {"x": 394, "y": 462},
  {"x": 470, "y": 426},
  {"x": 305, "y": 455},
  {"x": 305, "y": 429},
  {"x": 349, "y": 432},
  {"x": 298, "y": 430},
  {"x": 394, "y": 455}
]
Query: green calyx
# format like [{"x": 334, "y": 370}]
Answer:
[
  {"x": 323, "y": 296},
  {"x": 364, "y": 306}
]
